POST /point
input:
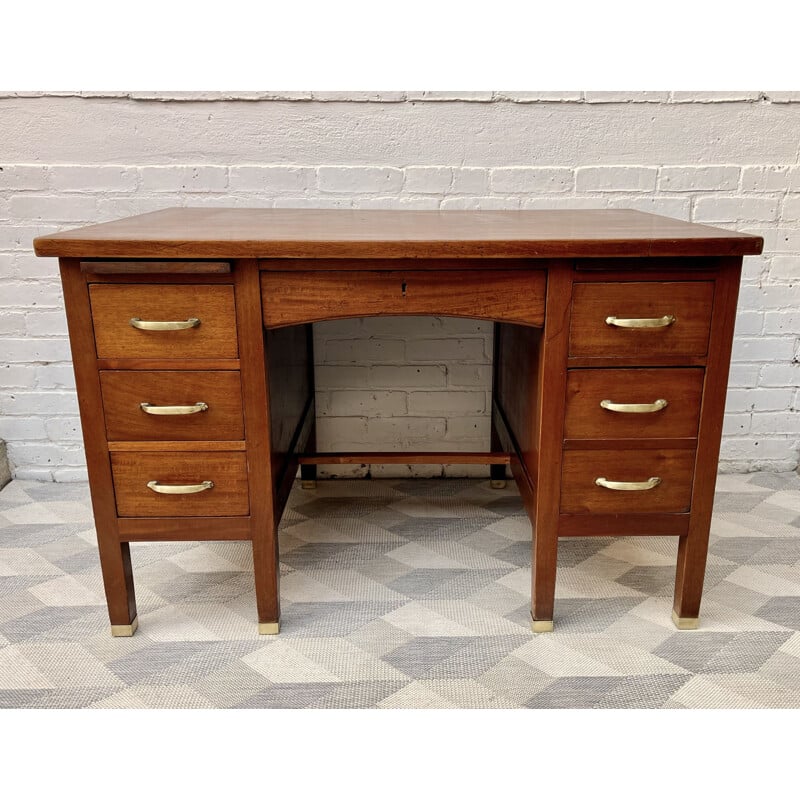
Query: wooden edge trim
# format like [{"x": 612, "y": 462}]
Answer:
[
  {"x": 405, "y": 458},
  {"x": 183, "y": 529},
  {"x": 180, "y": 447},
  {"x": 625, "y": 362},
  {"x": 535, "y": 320},
  {"x": 194, "y": 364},
  {"x": 623, "y": 524},
  {"x": 155, "y": 267},
  {"x": 636, "y": 444}
]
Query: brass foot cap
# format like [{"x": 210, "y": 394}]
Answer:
[
  {"x": 269, "y": 628},
  {"x": 542, "y": 625},
  {"x": 497, "y": 484},
  {"x": 686, "y": 623},
  {"x": 308, "y": 484},
  {"x": 125, "y": 630}
]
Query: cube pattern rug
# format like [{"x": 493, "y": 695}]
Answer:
[{"x": 402, "y": 594}]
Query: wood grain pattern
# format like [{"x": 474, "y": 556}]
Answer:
[
  {"x": 124, "y": 391},
  {"x": 627, "y": 524},
  {"x": 228, "y": 471},
  {"x": 115, "y": 555},
  {"x": 172, "y": 364},
  {"x": 209, "y": 233},
  {"x": 580, "y": 495},
  {"x": 156, "y": 267},
  {"x": 293, "y": 298},
  {"x": 631, "y": 444},
  {"x": 113, "y": 306},
  {"x": 188, "y": 446},
  {"x": 681, "y": 388},
  {"x": 184, "y": 529},
  {"x": 690, "y": 303}
]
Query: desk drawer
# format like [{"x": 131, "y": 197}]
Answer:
[
  {"x": 210, "y": 484},
  {"x": 291, "y": 298},
  {"x": 126, "y": 317},
  {"x": 181, "y": 406},
  {"x": 636, "y": 408},
  {"x": 641, "y": 320},
  {"x": 657, "y": 481}
]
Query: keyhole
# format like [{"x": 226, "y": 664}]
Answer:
[{"x": 403, "y": 287}]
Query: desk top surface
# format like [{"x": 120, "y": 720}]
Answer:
[{"x": 327, "y": 233}]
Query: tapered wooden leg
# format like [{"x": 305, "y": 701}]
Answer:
[
  {"x": 689, "y": 577},
  {"x": 115, "y": 564},
  {"x": 267, "y": 573},
  {"x": 693, "y": 548},
  {"x": 543, "y": 579}
]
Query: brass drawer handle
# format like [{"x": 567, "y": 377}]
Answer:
[
  {"x": 628, "y": 486},
  {"x": 634, "y": 408},
  {"x": 165, "y": 325},
  {"x": 192, "y": 488},
  {"x": 163, "y": 411},
  {"x": 654, "y": 322}
]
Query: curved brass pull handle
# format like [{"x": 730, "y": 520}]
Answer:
[
  {"x": 163, "y": 411},
  {"x": 155, "y": 325},
  {"x": 193, "y": 488},
  {"x": 654, "y": 322},
  {"x": 634, "y": 408},
  {"x": 628, "y": 486}
]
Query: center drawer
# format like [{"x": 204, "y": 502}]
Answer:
[
  {"x": 291, "y": 298},
  {"x": 172, "y": 405}
]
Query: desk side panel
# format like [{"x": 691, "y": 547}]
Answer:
[{"x": 291, "y": 389}]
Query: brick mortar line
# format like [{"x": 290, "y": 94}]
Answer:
[{"x": 408, "y": 96}]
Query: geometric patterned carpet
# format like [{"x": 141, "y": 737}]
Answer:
[{"x": 402, "y": 594}]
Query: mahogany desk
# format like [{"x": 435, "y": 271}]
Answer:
[{"x": 191, "y": 340}]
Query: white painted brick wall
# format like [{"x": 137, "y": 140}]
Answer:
[{"x": 725, "y": 158}]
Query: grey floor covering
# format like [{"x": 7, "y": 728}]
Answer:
[{"x": 402, "y": 594}]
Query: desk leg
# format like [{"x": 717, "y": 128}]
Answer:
[
  {"x": 693, "y": 548},
  {"x": 115, "y": 564},
  {"x": 265, "y": 567},
  {"x": 256, "y": 403},
  {"x": 115, "y": 556},
  {"x": 549, "y": 390}
]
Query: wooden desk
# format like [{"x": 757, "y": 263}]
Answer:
[{"x": 191, "y": 340}]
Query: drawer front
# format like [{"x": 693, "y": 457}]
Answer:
[
  {"x": 633, "y": 403},
  {"x": 511, "y": 295},
  {"x": 180, "y": 471},
  {"x": 634, "y": 319},
  {"x": 204, "y": 316},
  {"x": 580, "y": 493},
  {"x": 180, "y": 406}
]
